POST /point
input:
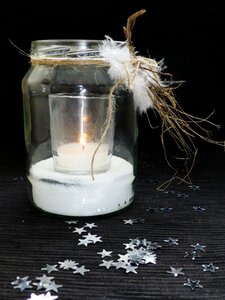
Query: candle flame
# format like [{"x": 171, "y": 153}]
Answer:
[{"x": 83, "y": 139}]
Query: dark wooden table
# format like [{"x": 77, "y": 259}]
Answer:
[{"x": 30, "y": 239}]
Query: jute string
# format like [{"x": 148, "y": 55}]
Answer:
[{"x": 38, "y": 60}]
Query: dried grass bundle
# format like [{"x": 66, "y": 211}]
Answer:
[{"x": 143, "y": 76}]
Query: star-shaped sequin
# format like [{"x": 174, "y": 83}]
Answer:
[
  {"x": 128, "y": 221},
  {"x": 153, "y": 245},
  {"x": 42, "y": 297},
  {"x": 120, "y": 264},
  {"x": 21, "y": 283},
  {"x": 129, "y": 245},
  {"x": 81, "y": 270},
  {"x": 90, "y": 225},
  {"x": 123, "y": 257},
  {"x": 50, "y": 268},
  {"x": 104, "y": 253},
  {"x": 175, "y": 271},
  {"x": 52, "y": 286},
  {"x": 138, "y": 220},
  {"x": 149, "y": 257},
  {"x": 171, "y": 241},
  {"x": 210, "y": 268},
  {"x": 130, "y": 268},
  {"x": 192, "y": 254},
  {"x": 84, "y": 242},
  {"x": 194, "y": 187},
  {"x": 198, "y": 247},
  {"x": 182, "y": 195},
  {"x": 166, "y": 209},
  {"x": 43, "y": 282},
  {"x": 68, "y": 264},
  {"x": 193, "y": 284},
  {"x": 93, "y": 238},
  {"x": 152, "y": 209},
  {"x": 106, "y": 263},
  {"x": 72, "y": 222},
  {"x": 79, "y": 230},
  {"x": 198, "y": 208}
]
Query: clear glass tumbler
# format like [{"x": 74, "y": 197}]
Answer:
[{"x": 79, "y": 144}]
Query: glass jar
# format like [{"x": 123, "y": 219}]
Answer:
[{"x": 61, "y": 70}]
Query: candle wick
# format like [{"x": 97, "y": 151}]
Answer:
[{"x": 83, "y": 147}]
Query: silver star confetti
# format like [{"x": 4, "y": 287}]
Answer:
[
  {"x": 68, "y": 264},
  {"x": 123, "y": 257},
  {"x": 139, "y": 252},
  {"x": 194, "y": 187},
  {"x": 198, "y": 247},
  {"x": 43, "y": 282},
  {"x": 182, "y": 195},
  {"x": 93, "y": 238},
  {"x": 175, "y": 271},
  {"x": 81, "y": 270},
  {"x": 193, "y": 284},
  {"x": 130, "y": 268},
  {"x": 152, "y": 209},
  {"x": 96, "y": 239},
  {"x": 134, "y": 221},
  {"x": 171, "y": 241},
  {"x": 90, "y": 225},
  {"x": 129, "y": 221},
  {"x": 153, "y": 246},
  {"x": 166, "y": 209},
  {"x": 79, "y": 230},
  {"x": 106, "y": 263},
  {"x": 192, "y": 254},
  {"x": 149, "y": 258},
  {"x": 120, "y": 264},
  {"x": 129, "y": 245},
  {"x": 42, "y": 297},
  {"x": 50, "y": 268},
  {"x": 210, "y": 268},
  {"x": 104, "y": 253},
  {"x": 84, "y": 242},
  {"x": 52, "y": 286},
  {"x": 72, "y": 222},
  {"x": 21, "y": 283},
  {"x": 138, "y": 220},
  {"x": 198, "y": 208}
]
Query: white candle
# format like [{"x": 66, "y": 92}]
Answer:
[
  {"x": 79, "y": 195},
  {"x": 76, "y": 157}
]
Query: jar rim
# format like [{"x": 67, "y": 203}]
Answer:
[
  {"x": 70, "y": 40},
  {"x": 76, "y": 96},
  {"x": 72, "y": 48}
]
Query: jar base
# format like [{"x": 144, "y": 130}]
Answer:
[{"x": 80, "y": 195}]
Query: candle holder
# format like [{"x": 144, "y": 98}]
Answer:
[
  {"x": 77, "y": 128},
  {"x": 80, "y": 131}
]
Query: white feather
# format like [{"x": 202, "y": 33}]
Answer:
[{"x": 122, "y": 68}]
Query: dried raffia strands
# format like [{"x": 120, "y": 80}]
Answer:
[{"x": 158, "y": 95}]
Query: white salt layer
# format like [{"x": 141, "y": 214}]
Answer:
[{"x": 80, "y": 195}]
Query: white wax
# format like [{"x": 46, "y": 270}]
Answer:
[
  {"x": 75, "y": 157},
  {"x": 79, "y": 195}
]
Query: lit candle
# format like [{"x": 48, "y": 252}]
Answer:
[
  {"x": 77, "y": 124},
  {"x": 77, "y": 157}
]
